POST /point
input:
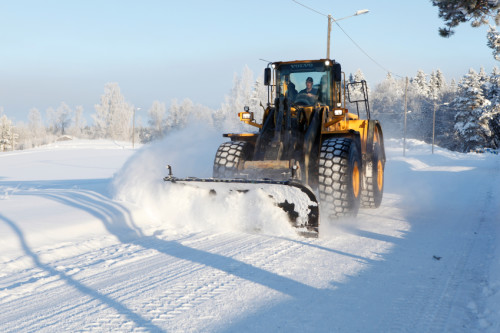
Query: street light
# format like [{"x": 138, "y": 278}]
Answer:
[
  {"x": 133, "y": 127},
  {"x": 330, "y": 19}
]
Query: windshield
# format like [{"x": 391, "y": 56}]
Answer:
[{"x": 305, "y": 83}]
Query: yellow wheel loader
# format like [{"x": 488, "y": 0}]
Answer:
[{"x": 308, "y": 145}]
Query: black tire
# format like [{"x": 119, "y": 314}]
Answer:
[
  {"x": 339, "y": 179},
  {"x": 228, "y": 157},
  {"x": 373, "y": 180}
]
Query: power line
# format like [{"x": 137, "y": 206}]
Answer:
[
  {"x": 366, "y": 54},
  {"x": 352, "y": 40},
  {"x": 314, "y": 10}
]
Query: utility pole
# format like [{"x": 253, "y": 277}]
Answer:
[
  {"x": 330, "y": 18},
  {"x": 433, "y": 124},
  {"x": 406, "y": 112}
]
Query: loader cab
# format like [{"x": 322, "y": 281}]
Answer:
[{"x": 307, "y": 83}]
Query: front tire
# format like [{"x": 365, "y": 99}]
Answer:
[
  {"x": 339, "y": 180},
  {"x": 228, "y": 157}
]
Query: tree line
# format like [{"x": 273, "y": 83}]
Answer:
[
  {"x": 461, "y": 116},
  {"x": 464, "y": 115}
]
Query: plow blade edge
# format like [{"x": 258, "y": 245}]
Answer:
[{"x": 296, "y": 199}]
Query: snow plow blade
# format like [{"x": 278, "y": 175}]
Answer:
[{"x": 296, "y": 199}]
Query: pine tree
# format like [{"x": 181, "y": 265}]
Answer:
[
  {"x": 419, "y": 84},
  {"x": 434, "y": 89},
  {"x": 421, "y": 105},
  {"x": 494, "y": 41},
  {"x": 441, "y": 81},
  {"x": 493, "y": 94},
  {"x": 471, "y": 128},
  {"x": 454, "y": 12},
  {"x": 6, "y": 134},
  {"x": 387, "y": 105}
]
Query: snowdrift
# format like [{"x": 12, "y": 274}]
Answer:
[{"x": 165, "y": 207}]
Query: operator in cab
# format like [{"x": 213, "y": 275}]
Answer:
[{"x": 310, "y": 91}]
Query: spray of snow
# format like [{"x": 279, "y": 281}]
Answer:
[{"x": 173, "y": 208}]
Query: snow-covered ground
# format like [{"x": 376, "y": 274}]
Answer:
[{"x": 92, "y": 239}]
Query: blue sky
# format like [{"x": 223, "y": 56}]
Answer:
[{"x": 65, "y": 51}]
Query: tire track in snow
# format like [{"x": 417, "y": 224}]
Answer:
[
  {"x": 76, "y": 285},
  {"x": 165, "y": 295},
  {"x": 441, "y": 303}
]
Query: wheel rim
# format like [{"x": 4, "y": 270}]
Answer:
[
  {"x": 380, "y": 175},
  {"x": 355, "y": 179}
]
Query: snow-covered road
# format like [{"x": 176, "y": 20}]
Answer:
[{"x": 82, "y": 251}]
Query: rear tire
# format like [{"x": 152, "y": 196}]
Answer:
[
  {"x": 228, "y": 158},
  {"x": 373, "y": 180},
  {"x": 339, "y": 180}
]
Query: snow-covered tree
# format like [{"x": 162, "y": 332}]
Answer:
[
  {"x": 356, "y": 90},
  {"x": 36, "y": 134},
  {"x": 176, "y": 117},
  {"x": 471, "y": 127},
  {"x": 493, "y": 91},
  {"x": 113, "y": 115},
  {"x": 35, "y": 123},
  {"x": 440, "y": 81},
  {"x": 6, "y": 133},
  {"x": 187, "y": 107},
  {"x": 51, "y": 120},
  {"x": 64, "y": 116},
  {"x": 434, "y": 89},
  {"x": 419, "y": 84},
  {"x": 420, "y": 105},
  {"x": 258, "y": 99},
  {"x": 387, "y": 105},
  {"x": 157, "y": 119},
  {"x": 204, "y": 114},
  {"x": 60, "y": 119},
  {"x": 493, "y": 113},
  {"x": 494, "y": 41},
  {"x": 240, "y": 96},
  {"x": 78, "y": 122},
  {"x": 478, "y": 12}
]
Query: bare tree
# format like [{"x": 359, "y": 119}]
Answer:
[
  {"x": 157, "y": 118},
  {"x": 113, "y": 115}
]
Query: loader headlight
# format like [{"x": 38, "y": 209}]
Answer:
[
  {"x": 327, "y": 63},
  {"x": 338, "y": 112},
  {"x": 246, "y": 116}
]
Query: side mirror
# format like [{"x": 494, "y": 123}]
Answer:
[
  {"x": 337, "y": 72},
  {"x": 267, "y": 76}
]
